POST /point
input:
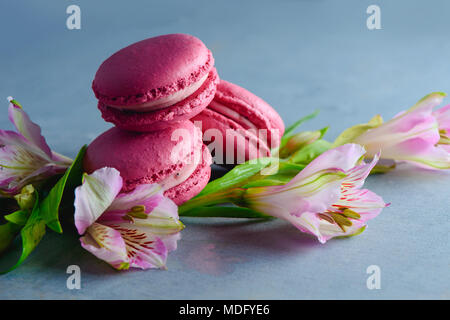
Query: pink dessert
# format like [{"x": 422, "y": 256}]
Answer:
[
  {"x": 175, "y": 157},
  {"x": 156, "y": 82},
  {"x": 257, "y": 126}
]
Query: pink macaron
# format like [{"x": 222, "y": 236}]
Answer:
[
  {"x": 156, "y": 82},
  {"x": 175, "y": 158},
  {"x": 249, "y": 126}
]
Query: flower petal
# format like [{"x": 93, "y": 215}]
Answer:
[
  {"x": 326, "y": 201},
  {"x": 324, "y": 230},
  {"x": 313, "y": 196},
  {"x": 28, "y": 129},
  {"x": 357, "y": 175},
  {"x": 162, "y": 220},
  {"x": 386, "y": 137},
  {"x": 316, "y": 193},
  {"x": 330, "y": 230},
  {"x": 170, "y": 241},
  {"x": 343, "y": 157},
  {"x": 307, "y": 222},
  {"x": 362, "y": 201},
  {"x": 413, "y": 135},
  {"x": 166, "y": 208},
  {"x": 106, "y": 244},
  {"x": 429, "y": 102},
  {"x": 351, "y": 134},
  {"x": 19, "y": 167},
  {"x": 144, "y": 250},
  {"x": 313, "y": 190},
  {"x": 443, "y": 117},
  {"x": 95, "y": 195},
  {"x": 420, "y": 152},
  {"x": 11, "y": 138},
  {"x": 145, "y": 194},
  {"x": 61, "y": 159}
]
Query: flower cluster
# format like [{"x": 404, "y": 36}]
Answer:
[{"x": 317, "y": 186}]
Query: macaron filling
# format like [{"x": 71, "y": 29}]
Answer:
[
  {"x": 195, "y": 182},
  {"x": 165, "y": 101},
  {"x": 182, "y": 175},
  {"x": 165, "y": 117}
]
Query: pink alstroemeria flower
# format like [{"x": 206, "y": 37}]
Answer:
[
  {"x": 135, "y": 229},
  {"x": 325, "y": 199},
  {"x": 418, "y": 135},
  {"x": 25, "y": 157}
]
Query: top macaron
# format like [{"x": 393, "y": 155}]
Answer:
[{"x": 154, "y": 82}]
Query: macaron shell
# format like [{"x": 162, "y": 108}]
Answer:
[
  {"x": 144, "y": 157},
  {"x": 255, "y": 109},
  {"x": 195, "y": 183},
  {"x": 160, "y": 119},
  {"x": 152, "y": 69},
  {"x": 243, "y": 150}
]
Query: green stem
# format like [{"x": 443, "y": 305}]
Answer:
[
  {"x": 226, "y": 196},
  {"x": 204, "y": 206},
  {"x": 224, "y": 212}
]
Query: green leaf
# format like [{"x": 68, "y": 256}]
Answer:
[
  {"x": 323, "y": 131},
  {"x": 236, "y": 176},
  {"x": 49, "y": 208},
  {"x": 310, "y": 152},
  {"x": 295, "y": 125},
  {"x": 19, "y": 217},
  {"x": 8, "y": 232},
  {"x": 224, "y": 212},
  {"x": 32, "y": 233},
  {"x": 350, "y": 134}
]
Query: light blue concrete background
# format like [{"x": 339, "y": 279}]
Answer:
[{"x": 297, "y": 55}]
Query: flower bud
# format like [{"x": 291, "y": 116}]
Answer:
[
  {"x": 298, "y": 141},
  {"x": 26, "y": 198}
]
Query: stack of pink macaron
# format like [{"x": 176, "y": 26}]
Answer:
[{"x": 154, "y": 91}]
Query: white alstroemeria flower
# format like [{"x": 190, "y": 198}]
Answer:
[
  {"x": 325, "y": 199},
  {"x": 136, "y": 229}
]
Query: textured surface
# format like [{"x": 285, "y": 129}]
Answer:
[
  {"x": 299, "y": 56},
  {"x": 155, "y": 120},
  {"x": 151, "y": 69}
]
